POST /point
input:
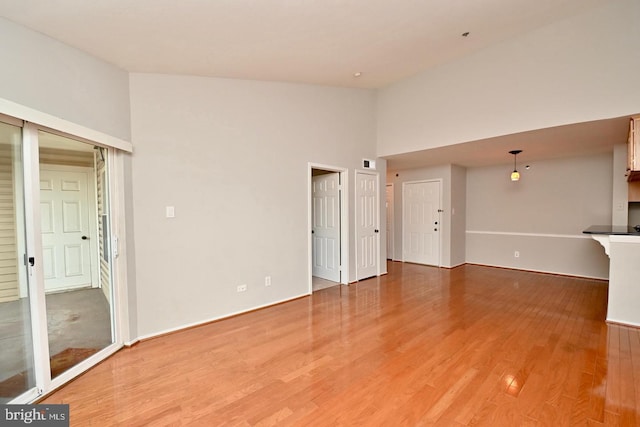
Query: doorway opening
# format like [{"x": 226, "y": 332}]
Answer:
[{"x": 328, "y": 227}]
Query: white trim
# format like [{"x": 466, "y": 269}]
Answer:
[
  {"x": 27, "y": 397},
  {"x": 118, "y": 258},
  {"x": 83, "y": 366},
  {"x": 214, "y": 319},
  {"x": 117, "y": 245},
  {"x": 391, "y": 219},
  {"x": 621, "y": 238},
  {"x": 559, "y": 273},
  {"x": 504, "y": 233},
  {"x": 34, "y": 249},
  {"x": 622, "y": 322},
  {"x": 344, "y": 221},
  {"x": 58, "y": 125},
  {"x": 11, "y": 120}
]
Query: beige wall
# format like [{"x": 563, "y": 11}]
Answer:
[
  {"x": 49, "y": 76},
  {"x": 232, "y": 157},
  {"x": 576, "y": 70},
  {"x": 542, "y": 216},
  {"x": 458, "y": 215}
]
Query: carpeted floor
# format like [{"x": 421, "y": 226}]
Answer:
[{"x": 79, "y": 324}]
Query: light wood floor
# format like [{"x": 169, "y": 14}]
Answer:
[{"x": 420, "y": 346}]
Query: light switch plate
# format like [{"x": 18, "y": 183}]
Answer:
[{"x": 170, "y": 212}]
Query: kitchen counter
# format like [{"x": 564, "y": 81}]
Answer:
[
  {"x": 615, "y": 230},
  {"x": 622, "y": 245}
]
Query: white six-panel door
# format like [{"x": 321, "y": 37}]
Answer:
[
  {"x": 64, "y": 210},
  {"x": 367, "y": 233},
  {"x": 326, "y": 226},
  {"x": 421, "y": 223}
]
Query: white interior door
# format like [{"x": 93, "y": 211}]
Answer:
[
  {"x": 326, "y": 226},
  {"x": 421, "y": 222},
  {"x": 390, "y": 221},
  {"x": 64, "y": 207},
  {"x": 367, "y": 233}
]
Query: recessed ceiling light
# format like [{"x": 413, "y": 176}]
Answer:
[
  {"x": 357, "y": 74},
  {"x": 465, "y": 34}
]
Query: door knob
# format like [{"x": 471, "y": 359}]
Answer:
[
  {"x": 435, "y": 229},
  {"x": 85, "y": 238},
  {"x": 377, "y": 231},
  {"x": 436, "y": 223}
]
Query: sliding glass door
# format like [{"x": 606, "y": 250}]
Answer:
[
  {"x": 17, "y": 374},
  {"x": 57, "y": 299},
  {"x": 74, "y": 226}
]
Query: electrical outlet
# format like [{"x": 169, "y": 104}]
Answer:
[
  {"x": 267, "y": 280},
  {"x": 242, "y": 288},
  {"x": 516, "y": 254}
]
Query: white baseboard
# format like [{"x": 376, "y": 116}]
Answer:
[{"x": 212, "y": 319}]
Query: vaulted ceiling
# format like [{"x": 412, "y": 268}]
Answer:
[
  {"x": 307, "y": 41},
  {"x": 321, "y": 42}
]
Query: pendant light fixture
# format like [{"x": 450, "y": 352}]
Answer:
[{"x": 515, "y": 175}]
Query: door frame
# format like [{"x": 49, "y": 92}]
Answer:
[
  {"x": 391, "y": 215},
  {"x": 344, "y": 221},
  {"x": 355, "y": 217},
  {"x": 440, "y": 198},
  {"x": 323, "y": 271},
  {"x": 94, "y": 258}
]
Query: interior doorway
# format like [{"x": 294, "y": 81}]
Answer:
[{"x": 328, "y": 223}]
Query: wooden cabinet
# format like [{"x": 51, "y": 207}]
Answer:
[
  {"x": 633, "y": 146},
  {"x": 634, "y": 191}
]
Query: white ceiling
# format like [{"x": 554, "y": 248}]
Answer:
[
  {"x": 308, "y": 41},
  {"x": 318, "y": 42}
]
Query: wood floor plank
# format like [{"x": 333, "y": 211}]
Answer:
[{"x": 420, "y": 346}]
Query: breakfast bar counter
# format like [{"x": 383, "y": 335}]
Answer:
[{"x": 622, "y": 245}]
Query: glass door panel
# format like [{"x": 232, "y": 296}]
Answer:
[
  {"x": 76, "y": 262},
  {"x": 17, "y": 373}
]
